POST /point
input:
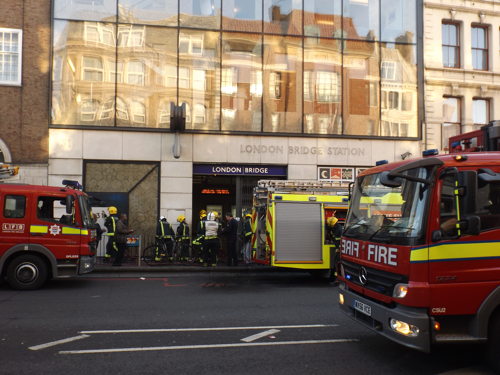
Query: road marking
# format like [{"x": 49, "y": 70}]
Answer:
[
  {"x": 269, "y": 332},
  {"x": 54, "y": 343},
  {"x": 206, "y": 329},
  {"x": 213, "y": 346}
]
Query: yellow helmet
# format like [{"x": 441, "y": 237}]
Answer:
[
  {"x": 203, "y": 213},
  {"x": 112, "y": 210},
  {"x": 332, "y": 220},
  {"x": 248, "y": 215},
  {"x": 181, "y": 218}
]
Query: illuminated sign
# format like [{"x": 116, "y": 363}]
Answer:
[
  {"x": 242, "y": 170},
  {"x": 338, "y": 174},
  {"x": 216, "y": 191}
]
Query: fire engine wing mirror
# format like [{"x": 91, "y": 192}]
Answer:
[
  {"x": 69, "y": 204},
  {"x": 488, "y": 176},
  {"x": 391, "y": 181},
  {"x": 471, "y": 225}
]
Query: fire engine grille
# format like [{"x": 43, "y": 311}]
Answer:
[{"x": 379, "y": 281}]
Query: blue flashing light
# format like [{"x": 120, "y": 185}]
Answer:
[
  {"x": 455, "y": 144},
  {"x": 381, "y": 162},
  {"x": 72, "y": 184},
  {"x": 430, "y": 152},
  {"x": 345, "y": 199}
]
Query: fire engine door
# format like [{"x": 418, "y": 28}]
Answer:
[{"x": 52, "y": 227}]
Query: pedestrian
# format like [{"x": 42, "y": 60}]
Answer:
[
  {"x": 231, "y": 232},
  {"x": 164, "y": 239},
  {"x": 98, "y": 231},
  {"x": 182, "y": 238},
  {"x": 122, "y": 231},
  {"x": 247, "y": 239},
  {"x": 110, "y": 225},
  {"x": 198, "y": 241},
  {"x": 211, "y": 244}
]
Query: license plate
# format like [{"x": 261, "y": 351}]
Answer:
[{"x": 363, "y": 307}]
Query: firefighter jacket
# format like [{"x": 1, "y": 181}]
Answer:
[
  {"x": 211, "y": 229},
  {"x": 200, "y": 232},
  {"x": 110, "y": 224},
  {"x": 164, "y": 230},
  {"x": 182, "y": 231},
  {"x": 247, "y": 231}
]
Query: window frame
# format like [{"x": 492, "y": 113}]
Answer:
[
  {"x": 488, "y": 108},
  {"x": 18, "y": 80},
  {"x": 459, "y": 117},
  {"x": 457, "y": 47},
  {"x": 485, "y": 49}
]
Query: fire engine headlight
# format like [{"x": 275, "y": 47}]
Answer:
[
  {"x": 400, "y": 291},
  {"x": 403, "y": 328},
  {"x": 341, "y": 298}
]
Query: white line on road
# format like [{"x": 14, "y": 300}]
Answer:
[
  {"x": 214, "y": 346},
  {"x": 269, "y": 332},
  {"x": 54, "y": 343},
  {"x": 206, "y": 329}
]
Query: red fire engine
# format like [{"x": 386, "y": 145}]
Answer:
[
  {"x": 420, "y": 252},
  {"x": 485, "y": 139},
  {"x": 44, "y": 233}
]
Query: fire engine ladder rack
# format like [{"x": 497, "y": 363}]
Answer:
[
  {"x": 301, "y": 186},
  {"x": 7, "y": 172}
]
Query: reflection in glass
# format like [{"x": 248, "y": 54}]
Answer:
[
  {"x": 282, "y": 94},
  {"x": 398, "y": 76},
  {"x": 361, "y": 19},
  {"x": 199, "y": 78},
  {"x": 147, "y": 57},
  {"x": 83, "y": 79},
  {"x": 322, "y": 86},
  {"x": 242, "y": 15},
  {"x": 361, "y": 87},
  {"x": 241, "y": 86},
  {"x": 283, "y": 17},
  {"x": 451, "y": 119},
  {"x": 154, "y": 12},
  {"x": 88, "y": 10},
  {"x": 323, "y": 18},
  {"x": 200, "y": 13},
  {"x": 480, "y": 109},
  {"x": 398, "y": 21}
]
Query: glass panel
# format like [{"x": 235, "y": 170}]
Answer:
[
  {"x": 242, "y": 15},
  {"x": 451, "y": 108},
  {"x": 399, "y": 87},
  {"x": 200, "y": 13},
  {"x": 322, "y": 86},
  {"x": 448, "y": 130},
  {"x": 361, "y": 79},
  {"x": 84, "y": 81},
  {"x": 90, "y": 10},
  {"x": 283, "y": 17},
  {"x": 241, "y": 88},
  {"x": 323, "y": 18},
  {"x": 199, "y": 78},
  {"x": 282, "y": 93},
  {"x": 398, "y": 21},
  {"x": 478, "y": 37},
  {"x": 156, "y": 12},
  {"x": 480, "y": 111},
  {"x": 361, "y": 19},
  {"x": 147, "y": 57}
]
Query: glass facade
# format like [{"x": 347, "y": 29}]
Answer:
[{"x": 325, "y": 67}]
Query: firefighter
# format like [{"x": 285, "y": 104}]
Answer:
[
  {"x": 211, "y": 244},
  {"x": 110, "y": 224},
  {"x": 333, "y": 234},
  {"x": 198, "y": 241},
  {"x": 182, "y": 238},
  {"x": 164, "y": 239},
  {"x": 247, "y": 239}
]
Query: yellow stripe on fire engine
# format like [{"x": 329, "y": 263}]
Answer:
[
  {"x": 457, "y": 251},
  {"x": 85, "y": 232},
  {"x": 69, "y": 230},
  {"x": 39, "y": 229}
]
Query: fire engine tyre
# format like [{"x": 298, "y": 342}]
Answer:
[
  {"x": 494, "y": 342},
  {"x": 27, "y": 272}
]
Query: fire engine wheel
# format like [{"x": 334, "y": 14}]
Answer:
[
  {"x": 494, "y": 342},
  {"x": 27, "y": 272}
]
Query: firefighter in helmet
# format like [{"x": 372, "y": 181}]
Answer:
[
  {"x": 110, "y": 224},
  {"x": 198, "y": 241},
  {"x": 164, "y": 239},
  {"x": 247, "y": 239},
  {"x": 211, "y": 244},
  {"x": 182, "y": 238}
]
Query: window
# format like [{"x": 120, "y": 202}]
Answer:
[
  {"x": 199, "y": 80},
  {"x": 275, "y": 85},
  {"x": 183, "y": 77},
  {"x": 307, "y": 85},
  {"x": 92, "y": 69},
  {"x": 191, "y": 44},
  {"x": 10, "y": 56},
  {"x": 327, "y": 86},
  {"x": 388, "y": 70},
  {"x": 135, "y": 73},
  {"x": 451, "y": 119},
  {"x": 479, "y": 47},
  {"x": 89, "y": 110},
  {"x": 14, "y": 206},
  {"x": 138, "y": 112},
  {"x": 53, "y": 209},
  {"x": 448, "y": 213},
  {"x": 131, "y": 36},
  {"x": 199, "y": 114},
  {"x": 393, "y": 100},
  {"x": 99, "y": 33},
  {"x": 480, "y": 111},
  {"x": 488, "y": 204},
  {"x": 451, "y": 45},
  {"x": 229, "y": 80}
]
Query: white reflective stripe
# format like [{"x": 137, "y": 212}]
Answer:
[
  {"x": 54, "y": 343},
  {"x": 257, "y": 336}
]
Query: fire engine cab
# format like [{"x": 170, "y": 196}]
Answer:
[
  {"x": 420, "y": 251},
  {"x": 44, "y": 233},
  {"x": 290, "y": 224}
]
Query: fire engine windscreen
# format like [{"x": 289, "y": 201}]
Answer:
[
  {"x": 85, "y": 207},
  {"x": 394, "y": 215}
]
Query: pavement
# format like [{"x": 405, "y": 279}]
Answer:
[{"x": 143, "y": 267}]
